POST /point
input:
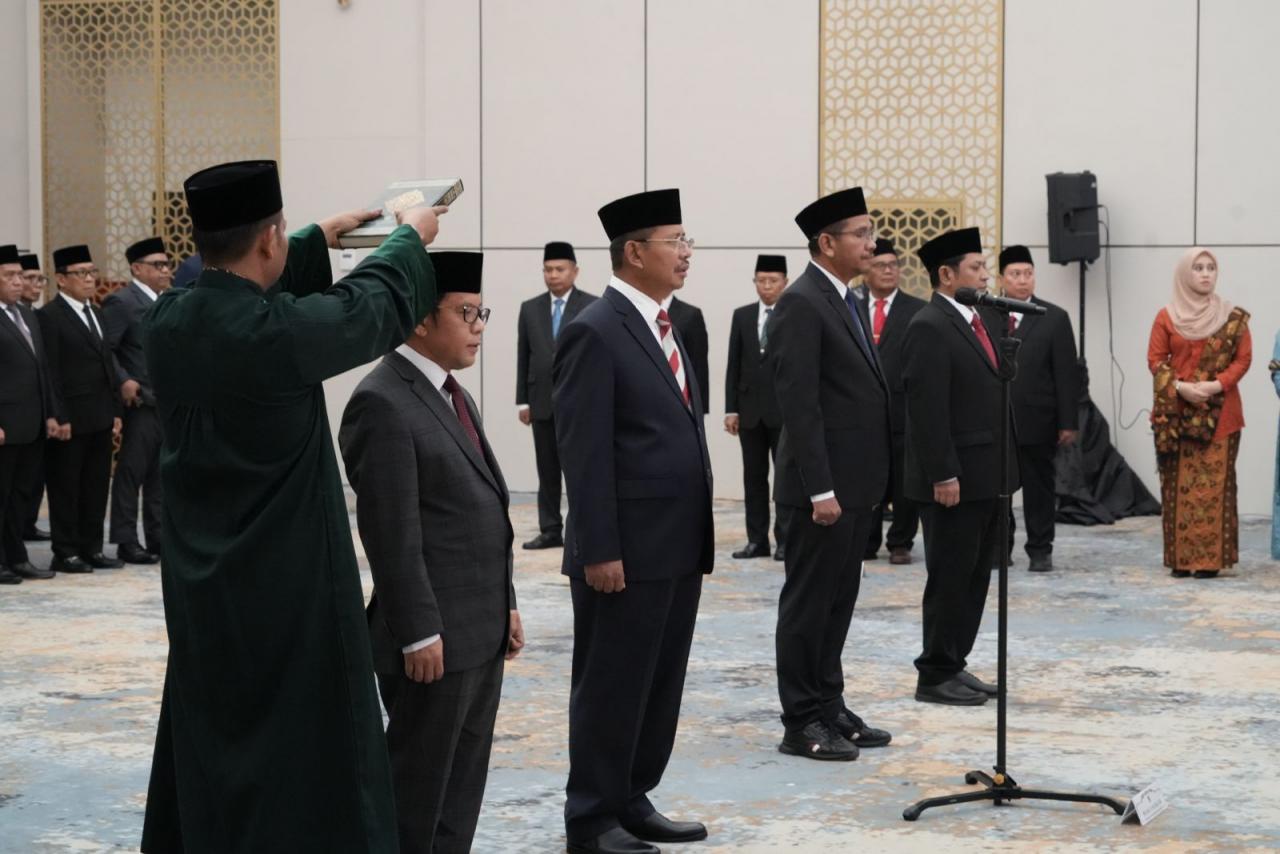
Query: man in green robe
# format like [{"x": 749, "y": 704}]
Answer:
[{"x": 270, "y": 735}]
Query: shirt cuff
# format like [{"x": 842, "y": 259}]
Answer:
[
  {"x": 947, "y": 481},
  {"x": 822, "y": 497},
  {"x": 422, "y": 644},
  {"x": 521, "y": 407},
  {"x": 734, "y": 414}
]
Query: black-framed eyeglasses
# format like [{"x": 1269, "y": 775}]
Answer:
[
  {"x": 161, "y": 266},
  {"x": 868, "y": 234},
  {"x": 471, "y": 313},
  {"x": 91, "y": 273},
  {"x": 882, "y": 266},
  {"x": 683, "y": 240}
]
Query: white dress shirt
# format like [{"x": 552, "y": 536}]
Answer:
[
  {"x": 435, "y": 375},
  {"x": 151, "y": 295},
  {"x": 79, "y": 310},
  {"x": 872, "y": 299}
]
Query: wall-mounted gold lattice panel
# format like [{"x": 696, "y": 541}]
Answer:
[
  {"x": 911, "y": 105},
  {"x": 138, "y": 94},
  {"x": 911, "y": 222}
]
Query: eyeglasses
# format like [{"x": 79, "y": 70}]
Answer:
[
  {"x": 161, "y": 266},
  {"x": 470, "y": 314},
  {"x": 686, "y": 242},
  {"x": 91, "y": 273},
  {"x": 884, "y": 266},
  {"x": 35, "y": 278},
  {"x": 868, "y": 234}
]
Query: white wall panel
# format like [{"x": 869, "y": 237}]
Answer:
[
  {"x": 1239, "y": 125},
  {"x": 1108, "y": 87},
  {"x": 452, "y": 111},
  {"x": 15, "y": 219},
  {"x": 733, "y": 115},
  {"x": 563, "y": 107}
]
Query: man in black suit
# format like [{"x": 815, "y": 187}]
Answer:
[
  {"x": 443, "y": 618},
  {"x": 891, "y": 311},
  {"x": 138, "y": 465},
  {"x": 1045, "y": 393},
  {"x": 953, "y": 462},
  {"x": 34, "y": 281},
  {"x": 25, "y": 418},
  {"x": 639, "y": 534},
  {"x": 833, "y": 466},
  {"x": 688, "y": 321},
  {"x": 83, "y": 375},
  {"x": 751, "y": 407},
  {"x": 537, "y": 330}
]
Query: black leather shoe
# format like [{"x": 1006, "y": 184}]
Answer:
[
  {"x": 900, "y": 556},
  {"x": 752, "y": 550},
  {"x": 1041, "y": 563},
  {"x": 658, "y": 828},
  {"x": 8, "y": 576},
  {"x": 35, "y": 535},
  {"x": 545, "y": 541},
  {"x": 70, "y": 564},
  {"x": 1180, "y": 573},
  {"x": 855, "y": 729},
  {"x": 967, "y": 679},
  {"x": 818, "y": 741},
  {"x": 1206, "y": 573},
  {"x": 615, "y": 841},
  {"x": 134, "y": 553},
  {"x": 27, "y": 569},
  {"x": 100, "y": 561},
  {"x": 953, "y": 692},
  {"x": 780, "y": 553}
]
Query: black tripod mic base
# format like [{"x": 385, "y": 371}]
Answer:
[{"x": 1001, "y": 789}]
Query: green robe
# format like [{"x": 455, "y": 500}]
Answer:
[{"x": 270, "y": 735}]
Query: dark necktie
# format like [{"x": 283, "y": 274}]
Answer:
[
  {"x": 858, "y": 332},
  {"x": 1013, "y": 325},
  {"x": 764, "y": 328},
  {"x": 464, "y": 414},
  {"x": 88, "y": 318},
  {"x": 984, "y": 339}
]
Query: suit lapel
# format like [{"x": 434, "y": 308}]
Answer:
[
  {"x": 965, "y": 330},
  {"x": 751, "y": 334},
  {"x": 444, "y": 412},
  {"x": 846, "y": 317},
  {"x": 640, "y": 331},
  {"x": 1025, "y": 325},
  {"x": 894, "y": 319},
  {"x": 544, "y": 319},
  {"x": 78, "y": 322},
  {"x": 7, "y": 322}
]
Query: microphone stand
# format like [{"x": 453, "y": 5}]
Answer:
[{"x": 999, "y": 787}]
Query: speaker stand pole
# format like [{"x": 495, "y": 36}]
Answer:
[
  {"x": 999, "y": 787},
  {"x": 1083, "y": 265}
]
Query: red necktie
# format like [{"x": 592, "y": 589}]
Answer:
[
  {"x": 877, "y": 322},
  {"x": 464, "y": 414},
  {"x": 981, "y": 331},
  {"x": 1013, "y": 325},
  {"x": 672, "y": 352}
]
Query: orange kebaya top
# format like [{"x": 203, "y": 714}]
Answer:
[{"x": 1168, "y": 346}]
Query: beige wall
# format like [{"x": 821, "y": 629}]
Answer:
[{"x": 547, "y": 110}]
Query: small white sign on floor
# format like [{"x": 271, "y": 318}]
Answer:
[{"x": 1146, "y": 805}]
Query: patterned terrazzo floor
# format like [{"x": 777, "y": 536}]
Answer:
[{"x": 1120, "y": 676}]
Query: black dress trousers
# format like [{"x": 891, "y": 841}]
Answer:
[
  {"x": 137, "y": 471},
  {"x": 1039, "y": 498},
  {"x": 759, "y": 449},
  {"x": 824, "y": 572},
  {"x": 17, "y": 466},
  {"x": 78, "y": 472},
  {"x": 906, "y": 516},
  {"x": 959, "y": 546},
  {"x": 547, "y": 457}
]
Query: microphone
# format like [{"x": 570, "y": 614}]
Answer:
[{"x": 973, "y": 296}]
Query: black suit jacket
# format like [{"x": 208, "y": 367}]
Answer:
[
  {"x": 1046, "y": 390},
  {"x": 634, "y": 455},
  {"x": 25, "y": 394},
  {"x": 748, "y": 380},
  {"x": 536, "y": 349},
  {"x": 122, "y": 313},
  {"x": 953, "y": 405},
  {"x": 687, "y": 319},
  {"x": 834, "y": 401},
  {"x": 82, "y": 372},
  {"x": 903, "y": 308},
  {"x": 433, "y": 518}
]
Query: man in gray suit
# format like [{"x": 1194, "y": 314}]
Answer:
[
  {"x": 138, "y": 464},
  {"x": 432, "y": 509}
]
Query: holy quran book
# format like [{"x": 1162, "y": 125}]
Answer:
[{"x": 400, "y": 196}]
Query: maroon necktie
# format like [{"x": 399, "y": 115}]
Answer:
[
  {"x": 1013, "y": 325},
  {"x": 981, "y": 331},
  {"x": 464, "y": 414}
]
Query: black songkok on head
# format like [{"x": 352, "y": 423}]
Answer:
[
  {"x": 143, "y": 248},
  {"x": 771, "y": 264},
  {"x": 831, "y": 209},
  {"x": 949, "y": 244},
  {"x": 457, "y": 272},
  {"x": 640, "y": 211},
  {"x": 884, "y": 247},
  {"x": 558, "y": 250},
  {"x": 69, "y": 255},
  {"x": 1015, "y": 255},
  {"x": 233, "y": 194}
]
